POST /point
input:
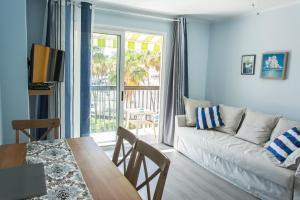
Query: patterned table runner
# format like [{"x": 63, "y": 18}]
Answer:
[{"x": 63, "y": 177}]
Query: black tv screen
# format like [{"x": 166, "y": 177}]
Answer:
[{"x": 46, "y": 65}]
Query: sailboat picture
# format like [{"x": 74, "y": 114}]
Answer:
[{"x": 274, "y": 65}]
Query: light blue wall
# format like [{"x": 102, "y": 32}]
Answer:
[
  {"x": 271, "y": 31},
  {"x": 13, "y": 65},
  {"x": 198, "y": 44},
  {"x": 198, "y": 37},
  {"x": 35, "y": 13}
]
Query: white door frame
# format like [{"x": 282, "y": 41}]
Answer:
[
  {"x": 120, "y": 67},
  {"x": 120, "y": 30}
]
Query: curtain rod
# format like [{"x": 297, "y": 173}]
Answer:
[{"x": 137, "y": 14}]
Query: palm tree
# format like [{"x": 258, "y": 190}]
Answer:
[{"x": 136, "y": 69}]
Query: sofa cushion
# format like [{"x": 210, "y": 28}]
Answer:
[
  {"x": 283, "y": 152},
  {"x": 209, "y": 117},
  {"x": 232, "y": 117},
  {"x": 285, "y": 144},
  {"x": 190, "y": 109},
  {"x": 257, "y": 127},
  {"x": 282, "y": 126},
  {"x": 293, "y": 160},
  {"x": 248, "y": 156}
]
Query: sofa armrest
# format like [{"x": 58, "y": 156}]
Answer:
[
  {"x": 297, "y": 185},
  {"x": 180, "y": 121},
  {"x": 297, "y": 173}
]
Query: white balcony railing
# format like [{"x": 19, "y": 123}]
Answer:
[{"x": 104, "y": 101}]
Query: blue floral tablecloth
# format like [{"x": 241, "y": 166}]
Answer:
[{"x": 63, "y": 177}]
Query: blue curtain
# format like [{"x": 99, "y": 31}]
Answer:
[
  {"x": 85, "y": 99},
  {"x": 177, "y": 81},
  {"x": 43, "y": 101},
  {"x": 68, "y": 67}
]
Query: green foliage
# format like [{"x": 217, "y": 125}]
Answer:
[
  {"x": 104, "y": 65},
  {"x": 136, "y": 67},
  {"x": 100, "y": 125}
]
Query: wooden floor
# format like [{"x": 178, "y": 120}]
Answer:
[{"x": 188, "y": 181}]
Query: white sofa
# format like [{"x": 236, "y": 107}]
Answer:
[{"x": 242, "y": 163}]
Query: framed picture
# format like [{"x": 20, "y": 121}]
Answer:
[
  {"x": 274, "y": 65},
  {"x": 248, "y": 64}
]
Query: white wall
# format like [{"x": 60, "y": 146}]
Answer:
[
  {"x": 271, "y": 31},
  {"x": 13, "y": 65}
]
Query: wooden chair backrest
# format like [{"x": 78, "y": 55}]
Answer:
[
  {"x": 140, "y": 151},
  {"x": 123, "y": 134},
  {"x": 23, "y": 125}
]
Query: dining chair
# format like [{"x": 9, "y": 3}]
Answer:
[
  {"x": 123, "y": 134},
  {"x": 141, "y": 151},
  {"x": 23, "y": 125}
]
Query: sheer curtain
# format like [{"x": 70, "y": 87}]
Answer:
[
  {"x": 177, "y": 83},
  {"x": 69, "y": 69}
]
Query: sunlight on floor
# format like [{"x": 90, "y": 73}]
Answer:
[{"x": 109, "y": 138}]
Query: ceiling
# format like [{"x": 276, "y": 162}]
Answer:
[{"x": 213, "y": 8}]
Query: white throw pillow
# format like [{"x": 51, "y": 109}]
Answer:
[
  {"x": 282, "y": 126},
  {"x": 232, "y": 117},
  {"x": 190, "y": 109},
  {"x": 257, "y": 127}
]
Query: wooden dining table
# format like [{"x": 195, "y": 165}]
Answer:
[{"x": 102, "y": 177}]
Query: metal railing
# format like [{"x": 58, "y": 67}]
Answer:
[{"x": 104, "y": 104}]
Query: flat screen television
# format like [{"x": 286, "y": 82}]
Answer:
[{"x": 46, "y": 64}]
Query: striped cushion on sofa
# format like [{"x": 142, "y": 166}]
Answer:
[
  {"x": 208, "y": 117},
  {"x": 285, "y": 144}
]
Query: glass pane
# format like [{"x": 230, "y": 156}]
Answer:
[
  {"x": 104, "y": 88},
  {"x": 143, "y": 61}
]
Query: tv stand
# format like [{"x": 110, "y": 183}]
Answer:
[
  {"x": 40, "y": 86},
  {"x": 40, "y": 89}
]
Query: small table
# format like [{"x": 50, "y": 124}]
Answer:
[{"x": 101, "y": 176}]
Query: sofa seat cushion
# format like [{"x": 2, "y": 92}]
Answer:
[{"x": 248, "y": 156}]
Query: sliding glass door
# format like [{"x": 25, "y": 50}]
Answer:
[
  {"x": 125, "y": 84},
  {"x": 105, "y": 87},
  {"x": 143, "y": 63}
]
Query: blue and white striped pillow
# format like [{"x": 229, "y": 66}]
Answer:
[
  {"x": 285, "y": 144},
  {"x": 208, "y": 117}
]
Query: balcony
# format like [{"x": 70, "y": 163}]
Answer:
[{"x": 141, "y": 112}]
